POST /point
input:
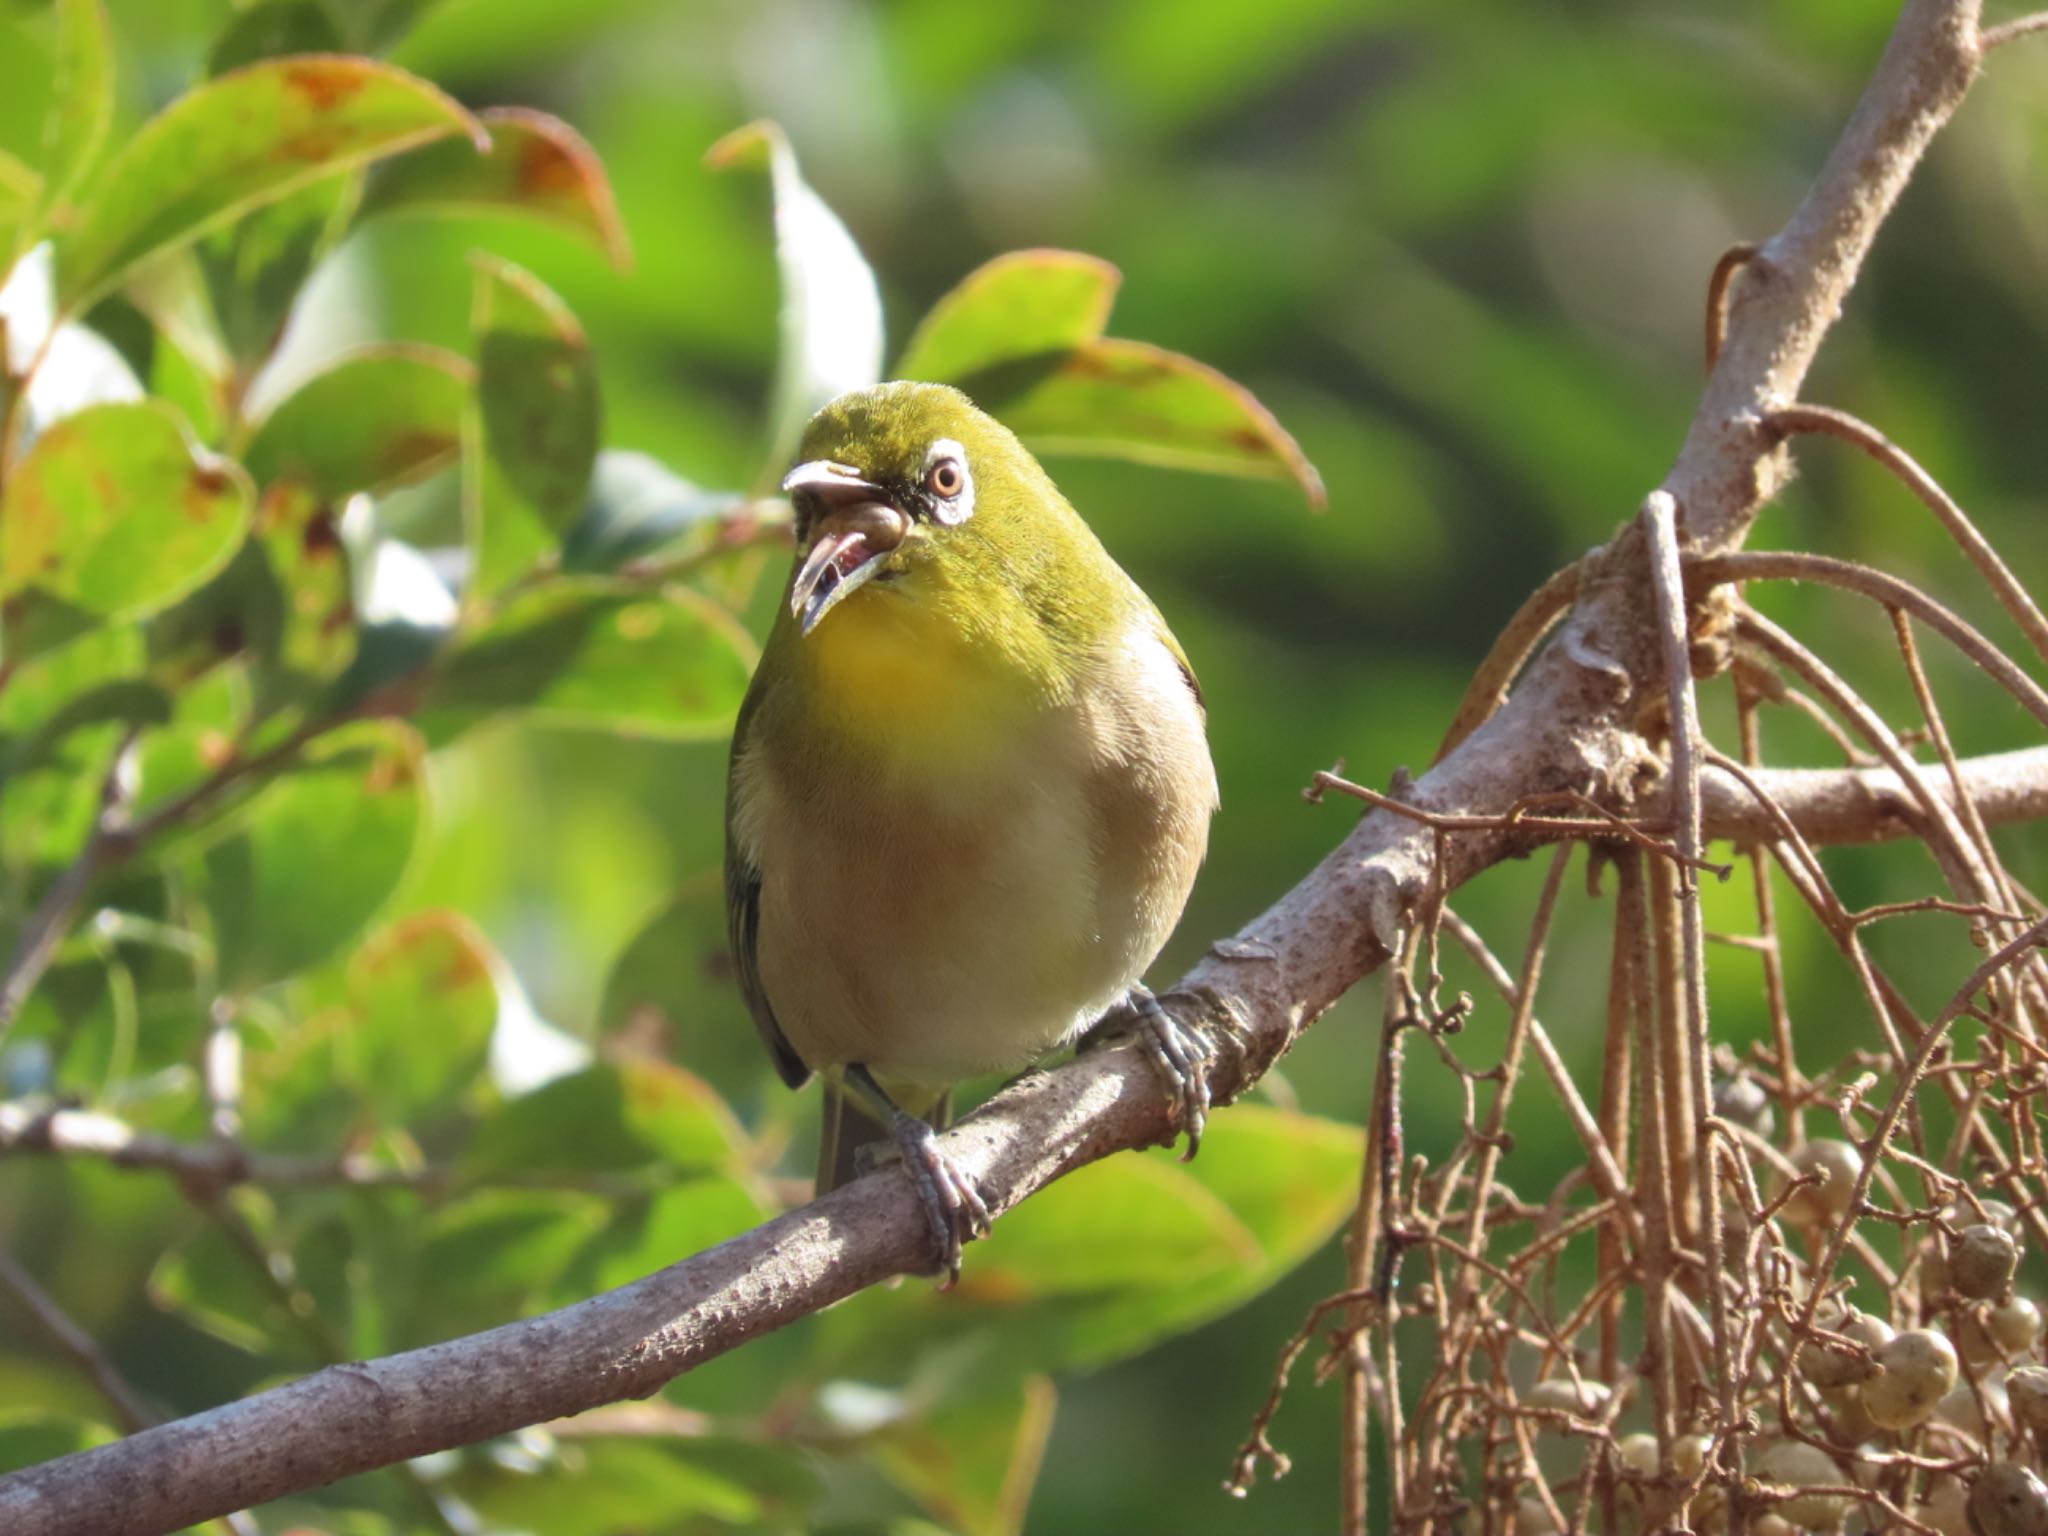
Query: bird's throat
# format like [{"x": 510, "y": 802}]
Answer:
[{"x": 910, "y": 683}]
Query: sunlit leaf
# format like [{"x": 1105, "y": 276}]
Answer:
[
  {"x": 378, "y": 417},
  {"x": 271, "y": 28},
  {"x": 1026, "y": 304},
  {"x": 831, "y": 309},
  {"x": 972, "y": 1462},
  {"x": 1131, "y": 400},
  {"x": 533, "y": 432},
  {"x": 424, "y": 1002},
  {"x": 1121, "y": 1254},
  {"x": 82, "y": 98},
  {"x": 630, "y": 1114},
  {"x": 117, "y": 512},
  {"x": 598, "y": 654},
  {"x": 238, "y": 142},
  {"x": 536, "y": 164},
  {"x": 350, "y": 811}
]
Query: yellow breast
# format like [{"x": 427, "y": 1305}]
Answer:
[{"x": 919, "y": 684}]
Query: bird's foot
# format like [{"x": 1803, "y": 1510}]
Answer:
[
  {"x": 952, "y": 1207},
  {"x": 1180, "y": 1055}
]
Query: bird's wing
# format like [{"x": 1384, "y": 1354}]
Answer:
[
  {"x": 1180, "y": 657},
  {"x": 743, "y": 922}
]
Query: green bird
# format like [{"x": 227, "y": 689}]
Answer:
[{"x": 969, "y": 791}]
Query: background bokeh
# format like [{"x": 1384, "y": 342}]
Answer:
[{"x": 1459, "y": 251}]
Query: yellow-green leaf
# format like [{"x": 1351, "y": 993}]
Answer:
[
  {"x": 1026, "y": 304},
  {"x": 378, "y": 417},
  {"x": 117, "y": 512},
  {"x": 236, "y": 143},
  {"x": 1131, "y": 400}
]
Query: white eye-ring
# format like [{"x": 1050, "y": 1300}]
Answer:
[{"x": 948, "y": 482}]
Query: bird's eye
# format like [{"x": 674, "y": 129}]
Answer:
[{"x": 946, "y": 478}]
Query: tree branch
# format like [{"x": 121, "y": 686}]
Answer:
[{"x": 1570, "y": 725}]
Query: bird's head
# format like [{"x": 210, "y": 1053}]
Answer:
[{"x": 908, "y": 488}]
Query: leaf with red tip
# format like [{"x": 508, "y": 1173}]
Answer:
[
  {"x": 536, "y": 164},
  {"x": 238, "y": 142}
]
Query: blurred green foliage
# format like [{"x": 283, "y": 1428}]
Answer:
[{"x": 1458, "y": 251}]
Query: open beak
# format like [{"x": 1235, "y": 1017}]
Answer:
[{"x": 852, "y": 525}]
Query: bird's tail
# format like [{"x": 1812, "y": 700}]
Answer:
[{"x": 851, "y": 1126}]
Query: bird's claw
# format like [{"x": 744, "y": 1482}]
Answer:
[
  {"x": 1181, "y": 1056},
  {"x": 953, "y": 1208}
]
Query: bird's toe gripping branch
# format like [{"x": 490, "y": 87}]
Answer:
[
  {"x": 1180, "y": 1055},
  {"x": 954, "y": 1210}
]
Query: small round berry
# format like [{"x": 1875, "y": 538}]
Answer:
[{"x": 1916, "y": 1370}]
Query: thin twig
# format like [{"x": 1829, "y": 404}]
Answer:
[
  {"x": 2005, "y": 32},
  {"x": 1660, "y": 526},
  {"x": 130, "y": 1411},
  {"x": 1828, "y": 422}
]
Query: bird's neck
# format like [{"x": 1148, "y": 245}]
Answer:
[{"x": 928, "y": 685}]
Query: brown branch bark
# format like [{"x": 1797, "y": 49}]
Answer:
[{"x": 1570, "y": 725}]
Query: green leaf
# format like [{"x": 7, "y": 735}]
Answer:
[
  {"x": 256, "y": 267},
  {"x": 674, "y": 982},
  {"x": 536, "y": 164},
  {"x": 972, "y": 1461},
  {"x": 534, "y": 430},
  {"x": 1123, "y": 1223},
  {"x": 321, "y": 849},
  {"x": 1026, "y": 304},
  {"x": 631, "y": 1114},
  {"x": 29, "y": 1436},
  {"x": 272, "y": 28},
  {"x": 581, "y": 651},
  {"x": 82, "y": 99},
  {"x": 627, "y": 1484},
  {"x": 377, "y": 25},
  {"x": 381, "y": 416},
  {"x": 831, "y": 329},
  {"x": 636, "y": 506},
  {"x": 1131, "y": 400},
  {"x": 213, "y": 1285},
  {"x": 425, "y": 1000},
  {"x": 493, "y": 1255},
  {"x": 1120, "y": 1255},
  {"x": 171, "y": 291},
  {"x": 643, "y": 1233},
  {"x": 1289, "y": 1179},
  {"x": 116, "y": 512},
  {"x": 300, "y": 541},
  {"x": 236, "y": 143}
]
